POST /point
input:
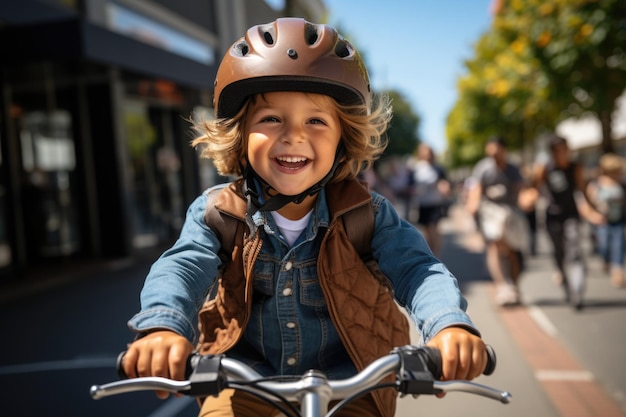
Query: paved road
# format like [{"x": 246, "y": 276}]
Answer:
[{"x": 61, "y": 334}]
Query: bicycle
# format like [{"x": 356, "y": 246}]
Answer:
[{"x": 417, "y": 371}]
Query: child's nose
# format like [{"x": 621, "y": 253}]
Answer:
[{"x": 293, "y": 133}]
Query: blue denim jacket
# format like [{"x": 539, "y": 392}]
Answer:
[{"x": 290, "y": 330}]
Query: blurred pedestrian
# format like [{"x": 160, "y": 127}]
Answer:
[
  {"x": 561, "y": 181},
  {"x": 400, "y": 181},
  {"x": 608, "y": 193},
  {"x": 432, "y": 191},
  {"x": 494, "y": 199},
  {"x": 528, "y": 204}
]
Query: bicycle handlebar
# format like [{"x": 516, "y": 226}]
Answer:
[{"x": 417, "y": 372}]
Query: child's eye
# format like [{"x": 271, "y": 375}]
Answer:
[
  {"x": 270, "y": 119},
  {"x": 317, "y": 121}
]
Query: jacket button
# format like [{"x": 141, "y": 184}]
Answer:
[
  {"x": 291, "y": 325},
  {"x": 287, "y": 291},
  {"x": 288, "y": 266},
  {"x": 291, "y": 361}
]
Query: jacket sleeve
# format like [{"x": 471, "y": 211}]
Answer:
[
  {"x": 422, "y": 283},
  {"x": 179, "y": 281}
]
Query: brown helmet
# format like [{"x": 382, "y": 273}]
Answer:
[{"x": 290, "y": 54}]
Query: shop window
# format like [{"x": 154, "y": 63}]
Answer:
[
  {"x": 5, "y": 248},
  {"x": 48, "y": 159},
  {"x": 155, "y": 169}
]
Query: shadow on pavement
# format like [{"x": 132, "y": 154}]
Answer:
[{"x": 468, "y": 266}]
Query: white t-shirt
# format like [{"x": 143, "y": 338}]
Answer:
[
  {"x": 291, "y": 229},
  {"x": 427, "y": 176}
]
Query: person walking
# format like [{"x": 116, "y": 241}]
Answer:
[
  {"x": 493, "y": 199},
  {"x": 561, "y": 182},
  {"x": 432, "y": 190},
  {"x": 608, "y": 193}
]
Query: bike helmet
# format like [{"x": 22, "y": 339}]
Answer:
[{"x": 290, "y": 54}]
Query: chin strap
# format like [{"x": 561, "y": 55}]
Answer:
[{"x": 278, "y": 201}]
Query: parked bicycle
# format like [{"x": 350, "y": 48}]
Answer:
[{"x": 417, "y": 371}]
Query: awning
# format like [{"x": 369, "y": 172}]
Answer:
[{"x": 76, "y": 38}]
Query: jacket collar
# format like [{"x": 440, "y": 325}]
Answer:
[{"x": 340, "y": 197}]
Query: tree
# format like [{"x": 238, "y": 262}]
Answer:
[
  {"x": 580, "y": 46},
  {"x": 502, "y": 93},
  {"x": 403, "y": 131}
]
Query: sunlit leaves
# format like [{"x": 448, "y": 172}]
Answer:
[{"x": 540, "y": 62}]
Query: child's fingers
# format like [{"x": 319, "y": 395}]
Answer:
[
  {"x": 144, "y": 363},
  {"x": 160, "y": 368},
  {"x": 178, "y": 360},
  {"x": 160, "y": 364},
  {"x": 476, "y": 358},
  {"x": 450, "y": 360},
  {"x": 129, "y": 363}
]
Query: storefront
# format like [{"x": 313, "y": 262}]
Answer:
[{"x": 94, "y": 139}]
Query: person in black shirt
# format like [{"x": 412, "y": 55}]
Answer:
[{"x": 562, "y": 184}]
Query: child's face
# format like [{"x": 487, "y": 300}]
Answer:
[{"x": 292, "y": 138}]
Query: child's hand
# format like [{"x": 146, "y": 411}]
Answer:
[
  {"x": 463, "y": 354},
  {"x": 160, "y": 353}
]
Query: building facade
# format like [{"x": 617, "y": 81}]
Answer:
[{"x": 96, "y": 99}]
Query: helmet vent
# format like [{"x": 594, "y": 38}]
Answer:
[
  {"x": 343, "y": 49},
  {"x": 241, "y": 48},
  {"x": 311, "y": 34},
  {"x": 269, "y": 33}
]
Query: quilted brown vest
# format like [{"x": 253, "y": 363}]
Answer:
[{"x": 360, "y": 305}]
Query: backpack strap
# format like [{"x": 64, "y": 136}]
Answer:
[
  {"x": 359, "y": 226},
  {"x": 229, "y": 231}
]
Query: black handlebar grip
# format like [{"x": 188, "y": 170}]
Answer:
[
  {"x": 491, "y": 360},
  {"x": 121, "y": 374}
]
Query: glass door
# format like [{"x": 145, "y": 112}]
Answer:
[
  {"x": 6, "y": 255},
  {"x": 48, "y": 162},
  {"x": 154, "y": 167}
]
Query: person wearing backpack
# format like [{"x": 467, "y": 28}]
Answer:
[{"x": 265, "y": 264}]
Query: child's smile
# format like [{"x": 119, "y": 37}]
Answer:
[{"x": 291, "y": 162}]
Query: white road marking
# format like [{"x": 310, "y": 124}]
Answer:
[{"x": 542, "y": 320}]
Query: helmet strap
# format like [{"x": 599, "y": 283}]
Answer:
[{"x": 276, "y": 202}]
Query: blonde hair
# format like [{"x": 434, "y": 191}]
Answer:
[
  {"x": 362, "y": 134},
  {"x": 611, "y": 163}
]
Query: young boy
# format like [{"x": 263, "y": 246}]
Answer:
[{"x": 296, "y": 123}]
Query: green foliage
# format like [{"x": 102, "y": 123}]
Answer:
[
  {"x": 403, "y": 131},
  {"x": 540, "y": 62}
]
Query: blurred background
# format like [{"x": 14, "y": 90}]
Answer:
[
  {"x": 95, "y": 159},
  {"x": 95, "y": 164}
]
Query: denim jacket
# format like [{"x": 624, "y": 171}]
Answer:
[{"x": 288, "y": 335}]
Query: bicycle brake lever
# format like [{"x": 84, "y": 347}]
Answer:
[
  {"x": 419, "y": 368},
  {"x": 208, "y": 376}
]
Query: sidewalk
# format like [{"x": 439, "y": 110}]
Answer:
[{"x": 555, "y": 361}]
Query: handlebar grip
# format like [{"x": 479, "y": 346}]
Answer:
[
  {"x": 491, "y": 360},
  {"x": 119, "y": 366}
]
